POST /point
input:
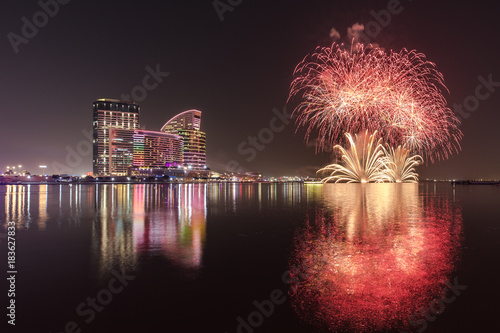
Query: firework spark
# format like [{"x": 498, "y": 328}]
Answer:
[
  {"x": 368, "y": 161},
  {"x": 398, "y": 94},
  {"x": 400, "y": 166},
  {"x": 363, "y": 162}
]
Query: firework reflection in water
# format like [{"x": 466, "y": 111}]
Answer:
[{"x": 376, "y": 255}]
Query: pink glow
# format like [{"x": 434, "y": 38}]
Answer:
[{"x": 370, "y": 267}]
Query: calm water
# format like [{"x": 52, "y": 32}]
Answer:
[{"x": 255, "y": 257}]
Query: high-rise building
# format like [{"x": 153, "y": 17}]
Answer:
[
  {"x": 194, "y": 150},
  {"x": 157, "y": 149},
  {"x": 188, "y": 124},
  {"x": 121, "y": 150},
  {"x": 188, "y": 120},
  {"x": 113, "y": 124}
]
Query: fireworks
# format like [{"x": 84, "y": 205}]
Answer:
[
  {"x": 363, "y": 161},
  {"x": 368, "y": 161},
  {"x": 400, "y": 166},
  {"x": 397, "y": 94}
]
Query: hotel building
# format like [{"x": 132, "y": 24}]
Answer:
[
  {"x": 121, "y": 148},
  {"x": 187, "y": 125},
  {"x": 113, "y": 125},
  {"x": 157, "y": 149}
]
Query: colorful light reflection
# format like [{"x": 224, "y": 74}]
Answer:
[
  {"x": 375, "y": 255},
  {"x": 146, "y": 220}
]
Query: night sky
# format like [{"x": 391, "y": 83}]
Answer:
[{"x": 236, "y": 71}]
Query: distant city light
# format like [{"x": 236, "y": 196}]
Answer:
[{"x": 43, "y": 167}]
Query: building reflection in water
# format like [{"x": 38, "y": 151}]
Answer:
[
  {"x": 42, "y": 206},
  {"x": 177, "y": 228},
  {"x": 373, "y": 256},
  {"x": 166, "y": 220},
  {"x": 112, "y": 230},
  {"x": 25, "y": 203},
  {"x": 15, "y": 203}
]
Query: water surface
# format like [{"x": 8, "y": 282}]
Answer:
[{"x": 199, "y": 257}]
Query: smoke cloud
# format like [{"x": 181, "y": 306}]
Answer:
[
  {"x": 334, "y": 34},
  {"x": 354, "y": 32}
]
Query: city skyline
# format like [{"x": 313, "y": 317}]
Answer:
[
  {"x": 122, "y": 146},
  {"x": 250, "y": 166},
  {"x": 235, "y": 71}
]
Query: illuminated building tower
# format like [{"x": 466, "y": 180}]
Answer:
[
  {"x": 157, "y": 149},
  {"x": 113, "y": 124},
  {"x": 187, "y": 124},
  {"x": 121, "y": 149},
  {"x": 194, "y": 149},
  {"x": 188, "y": 120}
]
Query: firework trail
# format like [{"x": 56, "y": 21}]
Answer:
[
  {"x": 400, "y": 166},
  {"x": 362, "y": 163},
  {"x": 398, "y": 94},
  {"x": 368, "y": 161}
]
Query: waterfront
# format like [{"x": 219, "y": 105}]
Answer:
[{"x": 199, "y": 255}]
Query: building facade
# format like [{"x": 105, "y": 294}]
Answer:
[
  {"x": 157, "y": 149},
  {"x": 113, "y": 126},
  {"x": 121, "y": 150},
  {"x": 187, "y": 125},
  {"x": 120, "y": 145},
  {"x": 194, "y": 149},
  {"x": 188, "y": 120}
]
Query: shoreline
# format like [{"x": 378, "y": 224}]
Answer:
[{"x": 147, "y": 182}]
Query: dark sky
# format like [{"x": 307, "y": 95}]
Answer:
[{"x": 235, "y": 71}]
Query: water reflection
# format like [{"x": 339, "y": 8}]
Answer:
[
  {"x": 38, "y": 207},
  {"x": 178, "y": 230},
  {"x": 373, "y": 256},
  {"x": 125, "y": 221},
  {"x": 112, "y": 230},
  {"x": 233, "y": 197},
  {"x": 148, "y": 220},
  {"x": 16, "y": 202}
]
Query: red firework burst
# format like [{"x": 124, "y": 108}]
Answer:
[{"x": 397, "y": 94}]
